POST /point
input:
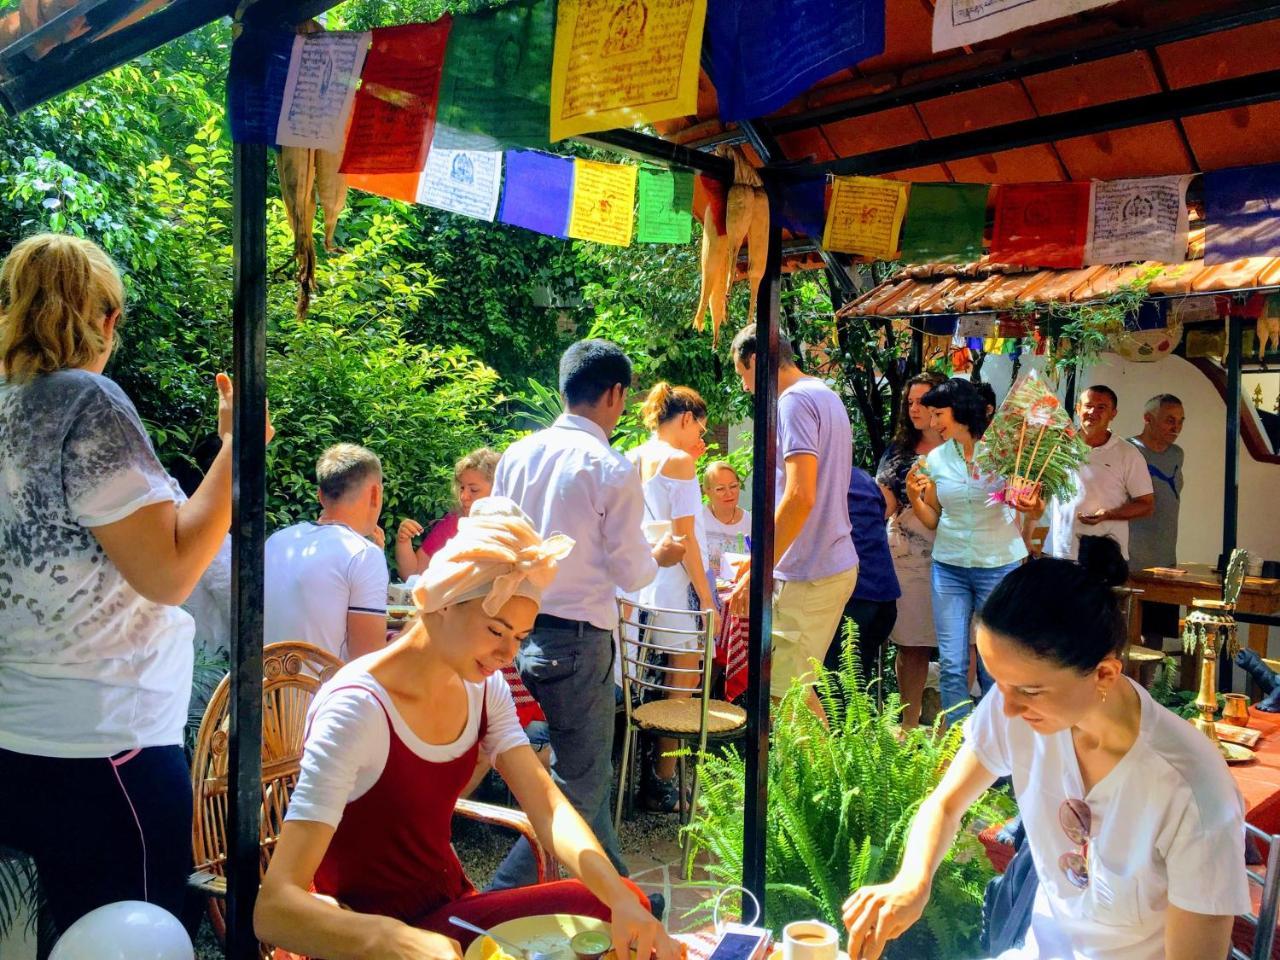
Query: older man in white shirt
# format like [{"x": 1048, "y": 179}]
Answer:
[
  {"x": 569, "y": 480},
  {"x": 1112, "y": 486}
]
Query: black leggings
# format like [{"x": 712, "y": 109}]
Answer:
[{"x": 101, "y": 830}]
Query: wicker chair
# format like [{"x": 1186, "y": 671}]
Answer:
[
  {"x": 292, "y": 673},
  {"x": 693, "y": 718}
]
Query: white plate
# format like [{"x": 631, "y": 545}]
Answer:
[{"x": 548, "y": 932}]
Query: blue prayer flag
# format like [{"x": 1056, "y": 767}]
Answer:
[
  {"x": 764, "y": 53},
  {"x": 538, "y": 192},
  {"x": 1242, "y": 213},
  {"x": 804, "y": 207},
  {"x": 255, "y": 84}
]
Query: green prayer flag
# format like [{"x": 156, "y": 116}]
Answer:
[
  {"x": 497, "y": 74},
  {"x": 666, "y": 205},
  {"x": 944, "y": 222}
]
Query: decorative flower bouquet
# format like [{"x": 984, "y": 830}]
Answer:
[{"x": 1032, "y": 444}]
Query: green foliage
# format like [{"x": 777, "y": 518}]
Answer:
[
  {"x": 841, "y": 801},
  {"x": 1164, "y": 691}
]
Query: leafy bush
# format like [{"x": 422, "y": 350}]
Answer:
[{"x": 840, "y": 803}]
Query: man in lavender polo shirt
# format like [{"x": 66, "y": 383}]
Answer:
[{"x": 814, "y": 561}]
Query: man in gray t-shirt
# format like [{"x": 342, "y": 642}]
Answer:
[
  {"x": 815, "y": 563},
  {"x": 1153, "y": 540}
]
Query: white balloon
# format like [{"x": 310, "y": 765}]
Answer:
[{"x": 128, "y": 930}]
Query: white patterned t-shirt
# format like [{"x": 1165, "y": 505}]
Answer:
[{"x": 88, "y": 667}]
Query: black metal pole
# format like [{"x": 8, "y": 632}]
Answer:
[
  {"x": 1231, "y": 464},
  {"x": 248, "y": 532},
  {"x": 763, "y": 484},
  {"x": 916, "y": 361}
]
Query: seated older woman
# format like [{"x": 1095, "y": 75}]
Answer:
[{"x": 392, "y": 740}]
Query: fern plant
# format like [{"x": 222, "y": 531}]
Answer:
[{"x": 841, "y": 799}]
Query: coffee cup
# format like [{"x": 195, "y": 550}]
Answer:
[{"x": 809, "y": 940}]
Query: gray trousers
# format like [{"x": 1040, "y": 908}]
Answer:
[{"x": 570, "y": 674}]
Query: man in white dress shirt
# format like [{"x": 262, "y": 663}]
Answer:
[
  {"x": 569, "y": 480},
  {"x": 1112, "y": 485}
]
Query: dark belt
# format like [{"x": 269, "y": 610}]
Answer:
[{"x": 551, "y": 622}]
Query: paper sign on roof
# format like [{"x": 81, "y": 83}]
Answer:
[
  {"x": 537, "y": 192},
  {"x": 462, "y": 181},
  {"x": 395, "y": 110},
  {"x": 255, "y": 84},
  {"x": 959, "y": 23},
  {"x": 324, "y": 70},
  {"x": 1143, "y": 219},
  {"x": 1242, "y": 210},
  {"x": 624, "y": 62},
  {"x": 1042, "y": 224},
  {"x": 604, "y": 196},
  {"x": 666, "y": 200},
  {"x": 765, "y": 53},
  {"x": 865, "y": 216},
  {"x": 497, "y": 75},
  {"x": 944, "y": 222}
]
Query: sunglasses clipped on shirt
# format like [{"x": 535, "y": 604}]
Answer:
[{"x": 1077, "y": 823}]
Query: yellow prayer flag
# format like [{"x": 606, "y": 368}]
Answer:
[
  {"x": 622, "y": 62},
  {"x": 604, "y": 199},
  {"x": 865, "y": 216}
]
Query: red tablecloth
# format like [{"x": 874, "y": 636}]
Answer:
[
  {"x": 527, "y": 708},
  {"x": 731, "y": 653}
]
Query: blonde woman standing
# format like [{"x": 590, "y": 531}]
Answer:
[
  {"x": 99, "y": 548},
  {"x": 472, "y": 480},
  {"x": 667, "y": 462}
]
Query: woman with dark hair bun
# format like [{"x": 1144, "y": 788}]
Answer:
[
  {"x": 978, "y": 539},
  {"x": 1135, "y": 826}
]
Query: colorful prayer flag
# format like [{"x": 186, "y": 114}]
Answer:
[
  {"x": 944, "y": 222},
  {"x": 255, "y": 84},
  {"x": 1042, "y": 224},
  {"x": 396, "y": 186},
  {"x": 865, "y": 216},
  {"x": 625, "y": 62},
  {"x": 1242, "y": 213},
  {"x": 604, "y": 198},
  {"x": 320, "y": 89},
  {"x": 958, "y": 23},
  {"x": 462, "y": 181},
  {"x": 497, "y": 75},
  {"x": 804, "y": 207},
  {"x": 1142, "y": 219},
  {"x": 666, "y": 202},
  {"x": 764, "y": 53},
  {"x": 395, "y": 110},
  {"x": 537, "y": 192}
]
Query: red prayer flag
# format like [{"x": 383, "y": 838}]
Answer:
[
  {"x": 395, "y": 109},
  {"x": 1042, "y": 224},
  {"x": 709, "y": 192}
]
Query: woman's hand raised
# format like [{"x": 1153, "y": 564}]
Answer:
[
  {"x": 877, "y": 914},
  {"x": 226, "y": 408}
]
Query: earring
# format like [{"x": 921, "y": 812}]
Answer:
[{"x": 1102, "y": 692}]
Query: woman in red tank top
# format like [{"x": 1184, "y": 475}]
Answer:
[{"x": 392, "y": 741}]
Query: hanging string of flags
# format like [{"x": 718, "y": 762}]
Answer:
[{"x": 459, "y": 114}]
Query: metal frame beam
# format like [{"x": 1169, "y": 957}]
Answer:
[
  {"x": 1231, "y": 465},
  {"x": 1150, "y": 108},
  {"x": 642, "y": 146},
  {"x": 1015, "y": 68},
  {"x": 248, "y": 536}
]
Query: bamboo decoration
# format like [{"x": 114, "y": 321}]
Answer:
[{"x": 1032, "y": 417}]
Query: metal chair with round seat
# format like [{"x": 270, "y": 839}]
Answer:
[{"x": 692, "y": 715}]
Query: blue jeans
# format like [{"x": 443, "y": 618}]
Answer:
[
  {"x": 570, "y": 674},
  {"x": 959, "y": 592}
]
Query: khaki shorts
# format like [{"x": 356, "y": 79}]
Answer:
[{"x": 805, "y": 616}]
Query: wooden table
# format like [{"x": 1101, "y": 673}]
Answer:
[{"x": 1199, "y": 582}]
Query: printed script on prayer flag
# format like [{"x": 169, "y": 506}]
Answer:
[
  {"x": 944, "y": 222},
  {"x": 462, "y": 181},
  {"x": 666, "y": 201},
  {"x": 320, "y": 89},
  {"x": 622, "y": 62},
  {"x": 395, "y": 108},
  {"x": 497, "y": 75},
  {"x": 1242, "y": 213},
  {"x": 961, "y": 22},
  {"x": 537, "y": 192},
  {"x": 255, "y": 84},
  {"x": 1042, "y": 224},
  {"x": 865, "y": 216},
  {"x": 765, "y": 53},
  {"x": 1143, "y": 219},
  {"x": 604, "y": 198}
]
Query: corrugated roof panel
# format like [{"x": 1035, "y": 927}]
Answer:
[
  {"x": 1229, "y": 53},
  {"x": 1151, "y": 150},
  {"x": 1104, "y": 81},
  {"x": 1232, "y": 275},
  {"x": 975, "y": 109},
  {"x": 890, "y": 128},
  {"x": 1024, "y": 165},
  {"x": 1235, "y": 138}
]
